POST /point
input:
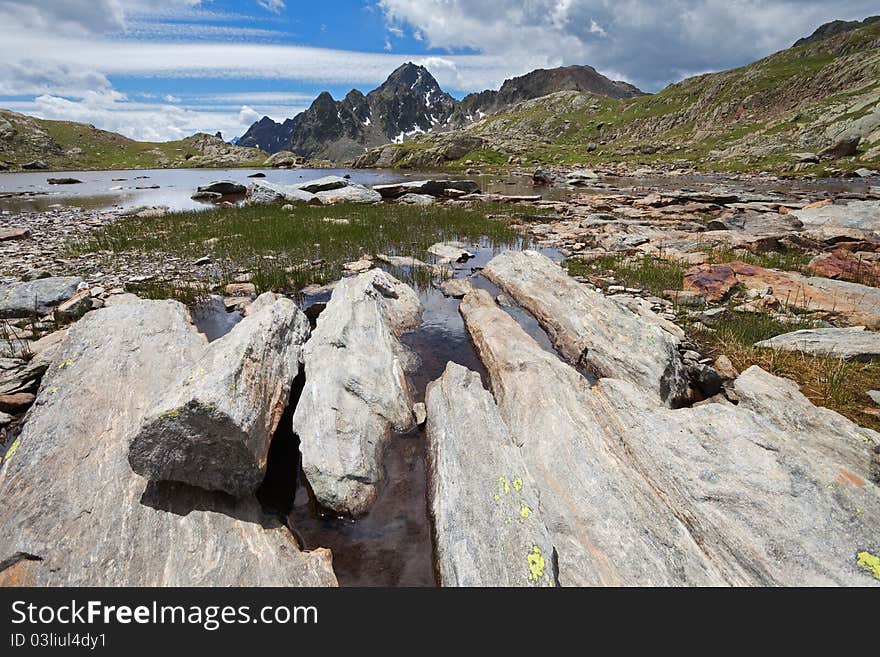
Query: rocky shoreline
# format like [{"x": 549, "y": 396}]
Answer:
[{"x": 620, "y": 456}]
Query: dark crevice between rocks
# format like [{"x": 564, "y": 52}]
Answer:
[
  {"x": 276, "y": 493},
  {"x": 9, "y": 562}
]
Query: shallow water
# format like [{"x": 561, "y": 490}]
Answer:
[
  {"x": 119, "y": 189},
  {"x": 391, "y": 545}
]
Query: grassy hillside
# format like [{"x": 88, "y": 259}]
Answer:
[
  {"x": 64, "y": 145},
  {"x": 751, "y": 118}
]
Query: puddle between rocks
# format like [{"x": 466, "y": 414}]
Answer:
[
  {"x": 392, "y": 544},
  {"x": 211, "y": 318}
]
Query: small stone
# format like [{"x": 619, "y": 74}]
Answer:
[
  {"x": 5, "y": 419},
  {"x": 725, "y": 368},
  {"x": 16, "y": 402},
  {"x": 420, "y": 413},
  {"x": 241, "y": 289},
  {"x": 875, "y": 396},
  {"x": 204, "y": 260}
]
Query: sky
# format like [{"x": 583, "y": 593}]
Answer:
[{"x": 159, "y": 70}]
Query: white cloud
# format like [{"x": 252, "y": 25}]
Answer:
[
  {"x": 650, "y": 43},
  {"x": 275, "y": 6}
]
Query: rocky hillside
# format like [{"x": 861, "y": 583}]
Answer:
[
  {"x": 30, "y": 143},
  {"x": 536, "y": 84},
  {"x": 409, "y": 103},
  {"x": 778, "y": 113}
]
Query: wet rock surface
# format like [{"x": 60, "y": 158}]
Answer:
[{"x": 356, "y": 393}]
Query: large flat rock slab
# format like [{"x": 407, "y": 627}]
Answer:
[
  {"x": 480, "y": 493},
  {"x": 864, "y": 215},
  {"x": 590, "y": 329},
  {"x": 608, "y": 525},
  {"x": 776, "y": 491},
  {"x": 853, "y": 343},
  {"x": 772, "y": 491},
  {"x": 356, "y": 393},
  {"x": 37, "y": 297},
  {"x": 74, "y": 513},
  {"x": 213, "y": 427}
]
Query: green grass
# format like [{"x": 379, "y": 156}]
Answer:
[
  {"x": 645, "y": 272},
  {"x": 786, "y": 260},
  {"x": 286, "y": 250},
  {"x": 827, "y": 381}
]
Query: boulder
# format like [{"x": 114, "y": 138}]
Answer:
[
  {"x": 283, "y": 159},
  {"x": 74, "y": 513},
  {"x": 855, "y": 214},
  {"x": 455, "y": 287},
  {"x": 325, "y": 184},
  {"x": 853, "y": 343},
  {"x": 712, "y": 282},
  {"x": 64, "y": 181},
  {"x": 261, "y": 192},
  {"x": 846, "y": 266},
  {"x": 39, "y": 296},
  {"x": 356, "y": 392},
  {"x": 846, "y": 147},
  {"x": 34, "y": 165},
  {"x": 349, "y": 194},
  {"x": 428, "y": 187},
  {"x": 223, "y": 187},
  {"x": 590, "y": 329},
  {"x": 417, "y": 199},
  {"x": 450, "y": 251},
  {"x": 485, "y": 507},
  {"x": 772, "y": 491},
  {"x": 213, "y": 427},
  {"x": 14, "y": 233}
]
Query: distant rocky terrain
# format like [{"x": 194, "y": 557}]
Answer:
[
  {"x": 814, "y": 108},
  {"x": 409, "y": 103},
  {"x": 30, "y": 143}
]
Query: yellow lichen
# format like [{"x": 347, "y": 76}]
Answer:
[
  {"x": 505, "y": 487},
  {"x": 170, "y": 415},
  {"x": 870, "y": 562},
  {"x": 53, "y": 390},
  {"x": 66, "y": 363},
  {"x": 11, "y": 450},
  {"x": 524, "y": 512},
  {"x": 517, "y": 483},
  {"x": 536, "y": 564}
]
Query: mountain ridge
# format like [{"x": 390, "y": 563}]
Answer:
[{"x": 408, "y": 103}]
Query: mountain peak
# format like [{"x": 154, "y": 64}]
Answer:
[
  {"x": 834, "y": 28},
  {"x": 411, "y": 76}
]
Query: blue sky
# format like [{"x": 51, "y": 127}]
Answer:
[{"x": 164, "y": 69}]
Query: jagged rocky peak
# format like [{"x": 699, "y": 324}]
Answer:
[
  {"x": 267, "y": 135},
  {"x": 410, "y": 102}
]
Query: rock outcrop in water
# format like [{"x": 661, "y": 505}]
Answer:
[
  {"x": 74, "y": 513},
  {"x": 356, "y": 392}
]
